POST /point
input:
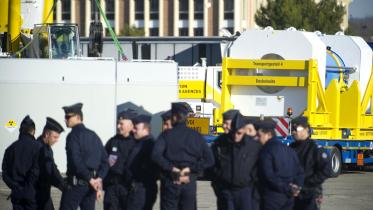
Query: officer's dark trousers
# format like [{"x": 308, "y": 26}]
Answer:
[
  {"x": 78, "y": 196},
  {"x": 306, "y": 204},
  {"x": 45, "y": 203},
  {"x": 178, "y": 197},
  {"x": 276, "y": 201},
  {"x": 219, "y": 200},
  {"x": 237, "y": 199},
  {"x": 115, "y": 197},
  {"x": 22, "y": 204},
  {"x": 142, "y": 197}
]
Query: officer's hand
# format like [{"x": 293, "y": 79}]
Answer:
[
  {"x": 185, "y": 171},
  {"x": 99, "y": 195},
  {"x": 176, "y": 170},
  {"x": 94, "y": 184},
  {"x": 295, "y": 189},
  {"x": 99, "y": 183},
  {"x": 184, "y": 180}
]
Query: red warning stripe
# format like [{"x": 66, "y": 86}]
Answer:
[
  {"x": 284, "y": 122},
  {"x": 278, "y": 129},
  {"x": 282, "y": 126}
]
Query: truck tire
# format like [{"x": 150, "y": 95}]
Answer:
[{"x": 336, "y": 162}]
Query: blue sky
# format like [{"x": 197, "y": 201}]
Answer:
[{"x": 361, "y": 8}]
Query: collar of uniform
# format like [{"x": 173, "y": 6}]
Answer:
[
  {"x": 40, "y": 139},
  {"x": 180, "y": 125},
  {"x": 26, "y": 136},
  {"x": 301, "y": 142},
  {"x": 144, "y": 138},
  {"x": 241, "y": 143},
  {"x": 272, "y": 140},
  {"x": 121, "y": 137},
  {"x": 78, "y": 126}
]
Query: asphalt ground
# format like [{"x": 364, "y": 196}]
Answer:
[{"x": 352, "y": 190}]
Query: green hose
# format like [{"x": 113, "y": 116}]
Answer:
[{"x": 112, "y": 34}]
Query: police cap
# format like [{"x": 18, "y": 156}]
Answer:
[
  {"x": 266, "y": 125},
  {"x": 230, "y": 114},
  {"x": 128, "y": 114},
  {"x": 238, "y": 122},
  {"x": 73, "y": 109},
  {"x": 142, "y": 118},
  {"x": 300, "y": 121},
  {"x": 250, "y": 120},
  {"x": 166, "y": 115},
  {"x": 53, "y": 125},
  {"x": 27, "y": 124},
  {"x": 181, "y": 108}
]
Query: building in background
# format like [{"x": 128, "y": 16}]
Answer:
[
  {"x": 361, "y": 19},
  {"x": 167, "y": 17}
]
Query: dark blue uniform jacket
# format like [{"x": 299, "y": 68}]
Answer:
[
  {"x": 235, "y": 163},
  {"x": 279, "y": 166},
  {"x": 20, "y": 167},
  {"x": 85, "y": 154}
]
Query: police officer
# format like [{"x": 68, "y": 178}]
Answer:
[
  {"x": 315, "y": 162},
  {"x": 166, "y": 120},
  {"x": 87, "y": 163},
  {"x": 49, "y": 173},
  {"x": 234, "y": 171},
  {"x": 142, "y": 172},
  {"x": 280, "y": 173},
  {"x": 227, "y": 119},
  {"x": 118, "y": 149},
  {"x": 182, "y": 154},
  {"x": 20, "y": 167}
]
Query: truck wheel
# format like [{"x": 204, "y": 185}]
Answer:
[{"x": 336, "y": 162}]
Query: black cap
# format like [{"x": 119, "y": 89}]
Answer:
[
  {"x": 251, "y": 120},
  {"x": 128, "y": 114},
  {"x": 230, "y": 114},
  {"x": 142, "y": 118},
  {"x": 267, "y": 124},
  {"x": 75, "y": 108},
  {"x": 53, "y": 125},
  {"x": 27, "y": 124},
  {"x": 166, "y": 115},
  {"x": 181, "y": 108},
  {"x": 300, "y": 121},
  {"x": 238, "y": 122}
]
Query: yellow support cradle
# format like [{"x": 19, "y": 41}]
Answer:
[{"x": 330, "y": 112}]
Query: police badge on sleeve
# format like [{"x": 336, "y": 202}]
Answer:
[{"x": 112, "y": 159}]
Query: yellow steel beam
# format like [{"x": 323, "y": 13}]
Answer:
[
  {"x": 317, "y": 111},
  {"x": 266, "y": 81},
  {"x": 14, "y": 25},
  {"x": 4, "y": 6},
  {"x": 266, "y": 64},
  {"x": 48, "y": 6},
  {"x": 333, "y": 97},
  {"x": 368, "y": 94}
]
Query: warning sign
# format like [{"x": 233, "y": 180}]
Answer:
[
  {"x": 191, "y": 89},
  {"x": 201, "y": 125},
  {"x": 11, "y": 125}
]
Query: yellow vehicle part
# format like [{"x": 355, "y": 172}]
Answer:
[
  {"x": 201, "y": 124},
  {"x": 329, "y": 111},
  {"x": 191, "y": 89},
  {"x": 212, "y": 94},
  {"x": 4, "y": 6},
  {"x": 15, "y": 23},
  {"x": 48, "y": 11}
]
